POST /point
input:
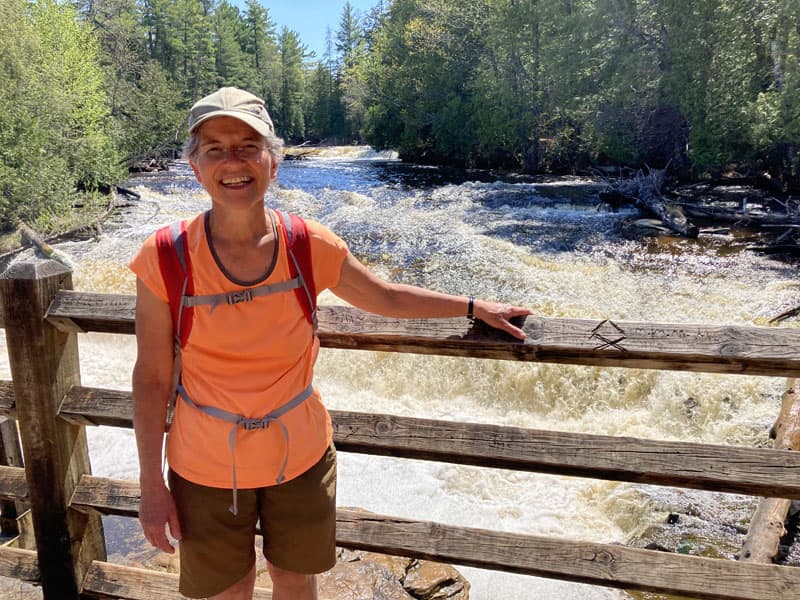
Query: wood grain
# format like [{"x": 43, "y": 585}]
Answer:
[{"x": 672, "y": 346}]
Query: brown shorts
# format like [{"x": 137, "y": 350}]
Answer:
[{"x": 298, "y": 522}]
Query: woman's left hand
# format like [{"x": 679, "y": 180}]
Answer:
[{"x": 499, "y": 316}]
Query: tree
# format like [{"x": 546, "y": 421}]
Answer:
[
  {"x": 153, "y": 118},
  {"x": 261, "y": 47},
  {"x": 349, "y": 35},
  {"x": 120, "y": 35},
  {"x": 775, "y": 113},
  {"x": 231, "y": 60},
  {"x": 419, "y": 83},
  {"x": 291, "y": 122},
  {"x": 319, "y": 93},
  {"x": 191, "y": 44},
  {"x": 56, "y": 132},
  {"x": 512, "y": 80}
]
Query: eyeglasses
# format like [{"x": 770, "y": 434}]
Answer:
[{"x": 219, "y": 153}]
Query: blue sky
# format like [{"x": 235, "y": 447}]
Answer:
[{"x": 310, "y": 18}]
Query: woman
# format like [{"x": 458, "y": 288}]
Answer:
[{"x": 244, "y": 360}]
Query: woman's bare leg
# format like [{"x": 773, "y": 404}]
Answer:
[{"x": 288, "y": 585}]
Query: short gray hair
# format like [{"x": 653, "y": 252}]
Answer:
[{"x": 272, "y": 142}]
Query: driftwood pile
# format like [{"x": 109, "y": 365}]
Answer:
[
  {"x": 736, "y": 202},
  {"x": 644, "y": 191}
]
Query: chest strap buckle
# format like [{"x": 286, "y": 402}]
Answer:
[{"x": 237, "y": 297}]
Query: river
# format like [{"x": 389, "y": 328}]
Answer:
[{"x": 545, "y": 245}]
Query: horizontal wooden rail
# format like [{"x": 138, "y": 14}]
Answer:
[
  {"x": 105, "y": 580},
  {"x": 755, "y": 471},
  {"x": 685, "y": 347},
  {"x": 110, "y": 581},
  {"x": 607, "y": 565},
  {"x": 594, "y": 563},
  {"x": 13, "y": 485},
  {"x": 19, "y": 564}
]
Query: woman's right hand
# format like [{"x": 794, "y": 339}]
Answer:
[{"x": 156, "y": 512}]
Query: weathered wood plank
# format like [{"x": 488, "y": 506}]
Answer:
[
  {"x": 684, "y": 347},
  {"x": 97, "y": 406},
  {"x": 598, "y": 564},
  {"x": 78, "y": 312},
  {"x": 44, "y": 364},
  {"x": 7, "y": 407},
  {"x": 107, "y": 496},
  {"x": 26, "y": 540},
  {"x": 19, "y": 564},
  {"x": 10, "y": 456},
  {"x": 108, "y": 580},
  {"x": 755, "y": 471},
  {"x": 13, "y": 484}
]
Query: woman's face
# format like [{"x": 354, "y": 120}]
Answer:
[{"x": 232, "y": 163}]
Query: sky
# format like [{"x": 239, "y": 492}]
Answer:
[{"x": 310, "y": 18}]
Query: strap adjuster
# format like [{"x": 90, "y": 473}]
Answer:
[
  {"x": 253, "y": 424},
  {"x": 237, "y": 297}
]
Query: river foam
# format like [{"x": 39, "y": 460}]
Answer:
[{"x": 547, "y": 246}]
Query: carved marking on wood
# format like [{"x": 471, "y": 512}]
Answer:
[{"x": 609, "y": 334}]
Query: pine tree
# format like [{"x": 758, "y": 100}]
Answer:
[{"x": 291, "y": 121}]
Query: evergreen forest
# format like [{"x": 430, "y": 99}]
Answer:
[{"x": 91, "y": 88}]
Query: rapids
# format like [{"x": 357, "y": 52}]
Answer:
[{"x": 546, "y": 245}]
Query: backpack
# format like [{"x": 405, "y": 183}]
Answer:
[{"x": 176, "y": 272}]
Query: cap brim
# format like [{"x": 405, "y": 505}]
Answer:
[{"x": 254, "y": 122}]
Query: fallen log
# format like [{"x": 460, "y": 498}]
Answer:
[
  {"x": 767, "y": 525},
  {"x": 646, "y": 189},
  {"x": 753, "y": 218},
  {"x": 33, "y": 238}
]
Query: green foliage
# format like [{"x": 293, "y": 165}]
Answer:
[
  {"x": 56, "y": 132},
  {"x": 290, "y": 115},
  {"x": 152, "y": 122},
  {"x": 693, "y": 84},
  {"x": 90, "y": 85},
  {"x": 231, "y": 61}
]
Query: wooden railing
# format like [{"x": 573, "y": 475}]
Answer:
[{"x": 66, "y": 554}]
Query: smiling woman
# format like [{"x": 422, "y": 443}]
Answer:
[
  {"x": 249, "y": 362},
  {"x": 232, "y": 157}
]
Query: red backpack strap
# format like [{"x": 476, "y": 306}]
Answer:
[
  {"x": 176, "y": 271},
  {"x": 298, "y": 246}
]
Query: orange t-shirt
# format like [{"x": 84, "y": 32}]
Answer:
[{"x": 248, "y": 359}]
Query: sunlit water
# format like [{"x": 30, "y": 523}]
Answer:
[{"x": 543, "y": 245}]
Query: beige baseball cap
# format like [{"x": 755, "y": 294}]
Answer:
[{"x": 232, "y": 102}]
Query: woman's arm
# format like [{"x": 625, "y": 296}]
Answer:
[
  {"x": 152, "y": 383},
  {"x": 362, "y": 288}
]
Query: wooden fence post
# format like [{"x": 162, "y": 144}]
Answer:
[{"x": 44, "y": 365}]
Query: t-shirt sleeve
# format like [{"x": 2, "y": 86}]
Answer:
[
  {"x": 328, "y": 252},
  {"x": 145, "y": 266}
]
